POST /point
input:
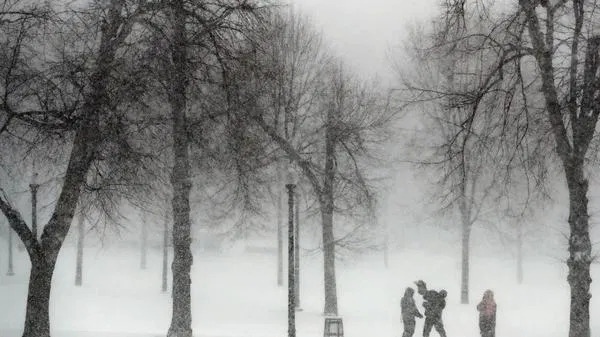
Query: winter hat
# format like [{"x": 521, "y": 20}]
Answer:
[{"x": 420, "y": 283}]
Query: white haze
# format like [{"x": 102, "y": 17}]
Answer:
[{"x": 234, "y": 291}]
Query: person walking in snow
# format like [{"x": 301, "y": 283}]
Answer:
[
  {"x": 487, "y": 314},
  {"x": 434, "y": 303},
  {"x": 409, "y": 312}
]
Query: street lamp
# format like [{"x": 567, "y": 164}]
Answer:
[
  {"x": 291, "y": 185},
  {"x": 34, "y": 188},
  {"x": 10, "y": 271},
  {"x": 297, "y": 254}
]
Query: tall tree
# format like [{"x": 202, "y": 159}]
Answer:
[
  {"x": 296, "y": 56},
  {"x": 467, "y": 184},
  {"x": 331, "y": 137},
  {"x": 293, "y": 59},
  {"x": 181, "y": 319},
  {"x": 41, "y": 97},
  {"x": 551, "y": 45},
  {"x": 199, "y": 38}
]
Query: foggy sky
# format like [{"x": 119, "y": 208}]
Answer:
[{"x": 364, "y": 33}]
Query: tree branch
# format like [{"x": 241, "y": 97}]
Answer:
[{"x": 17, "y": 223}]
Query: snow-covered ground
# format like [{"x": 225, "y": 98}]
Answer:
[{"x": 235, "y": 294}]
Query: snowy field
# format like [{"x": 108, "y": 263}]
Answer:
[{"x": 235, "y": 295}]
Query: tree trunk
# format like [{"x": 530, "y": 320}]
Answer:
[
  {"x": 465, "y": 207},
  {"x": 181, "y": 320},
  {"x": 580, "y": 250},
  {"x": 464, "y": 284},
  {"x": 37, "y": 315},
  {"x": 144, "y": 244},
  {"x": 329, "y": 261},
  {"x": 291, "y": 264},
  {"x": 279, "y": 227},
  {"x": 327, "y": 208},
  {"x": 79, "y": 262},
  {"x": 520, "y": 254}
]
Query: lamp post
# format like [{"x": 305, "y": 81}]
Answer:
[
  {"x": 386, "y": 246},
  {"x": 520, "y": 253},
  {"x": 10, "y": 271},
  {"x": 297, "y": 254},
  {"x": 290, "y": 185},
  {"x": 279, "y": 226},
  {"x": 34, "y": 188}
]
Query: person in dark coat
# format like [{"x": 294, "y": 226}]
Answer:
[
  {"x": 434, "y": 303},
  {"x": 409, "y": 312},
  {"x": 487, "y": 314}
]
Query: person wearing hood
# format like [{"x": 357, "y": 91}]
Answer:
[
  {"x": 409, "y": 312},
  {"x": 434, "y": 303},
  {"x": 487, "y": 314}
]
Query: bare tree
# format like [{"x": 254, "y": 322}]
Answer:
[
  {"x": 466, "y": 183},
  {"x": 39, "y": 97},
  {"x": 552, "y": 45},
  {"x": 331, "y": 134},
  {"x": 294, "y": 56},
  {"x": 198, "y": 39},
  {"x": 181, "y": 319}
]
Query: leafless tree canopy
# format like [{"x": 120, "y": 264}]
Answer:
[{"x": 527, "y": 82}]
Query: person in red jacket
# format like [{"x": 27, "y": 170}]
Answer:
[{"x": 487, "y": 315}]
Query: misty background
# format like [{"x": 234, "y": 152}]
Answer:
[{"x": 392, "y": 226}]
